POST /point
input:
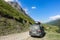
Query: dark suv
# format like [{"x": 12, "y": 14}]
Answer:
[{"x": 37, "y": 30}]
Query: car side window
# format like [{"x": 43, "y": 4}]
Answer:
[{"x": 42, "y": 28}]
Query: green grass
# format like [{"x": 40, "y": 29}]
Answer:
[
  {"x": 11, "y": 25},
  {"x": 52, "y": 36},
  {"x": 50, "y": 28},
  {"x": 6, "y": 9},
  {"x": 51, "y": 33},
  {"x": 55, "y": 23},
  {"x": 8, "y": 26}
]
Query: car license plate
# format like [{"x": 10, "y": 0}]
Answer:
[{"x": 34, "y": 32}]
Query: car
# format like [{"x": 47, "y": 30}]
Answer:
[{"x": 36, "y": 30}]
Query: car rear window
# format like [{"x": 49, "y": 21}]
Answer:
[{"x": 34, "y": 27}]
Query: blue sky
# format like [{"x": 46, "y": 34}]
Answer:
[{"x": 41, "y": 10}]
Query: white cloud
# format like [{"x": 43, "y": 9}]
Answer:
[
  {"x": 51, "y": 18},
  {"x": 33, "y": 7},
  {"x": 54, "y": 17},
  {"x": 9, "y": 0}
]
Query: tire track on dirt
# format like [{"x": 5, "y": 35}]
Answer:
[{"x": 20, "y": 36}]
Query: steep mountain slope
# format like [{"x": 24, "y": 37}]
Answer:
[
  {"x": 7, "y": 10},
  {"x": 11, "y": 20}
]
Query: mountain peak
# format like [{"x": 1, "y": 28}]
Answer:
[{"x": 9, "y": 0}]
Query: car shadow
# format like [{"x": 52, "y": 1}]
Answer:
[{"x": 39, "y": 36}]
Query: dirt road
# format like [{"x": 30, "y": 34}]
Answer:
[
  {"x": 20, "y": 36},
  {"x": 26, "y": 36}
]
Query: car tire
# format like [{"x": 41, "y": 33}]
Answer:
[{"x": 42, "y": 35}]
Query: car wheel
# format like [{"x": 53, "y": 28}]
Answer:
[{"x": 42, "y": 35}]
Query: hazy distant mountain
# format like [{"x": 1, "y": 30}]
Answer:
[{"x": 55, "y": 22}]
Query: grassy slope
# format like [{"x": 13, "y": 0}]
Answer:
[
  {"x": 6, "y": 9},
  {"x": 10, "y": 25},
  {"x": 51, "y": 33},
  {"x": 56, "y": 23},
  {"x": 50, "y": 28},
  {"x": 52, "y": 36}
]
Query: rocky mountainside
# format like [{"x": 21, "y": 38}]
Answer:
[{"x": 12, "y": 20}]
